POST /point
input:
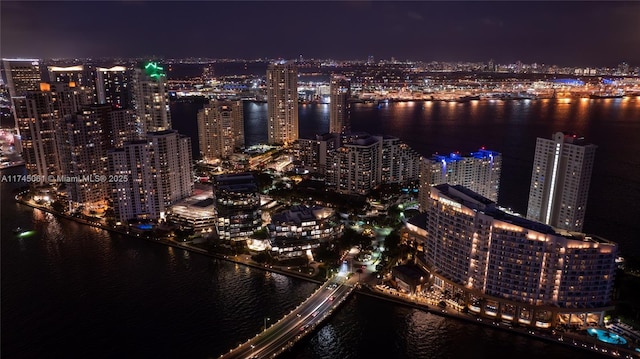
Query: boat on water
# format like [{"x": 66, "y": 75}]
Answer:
[{"x": 18, "y": 230}]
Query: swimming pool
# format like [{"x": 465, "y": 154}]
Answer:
[
  {"x": 606, "y": 336},
  {"x": 145, "y": 226}
]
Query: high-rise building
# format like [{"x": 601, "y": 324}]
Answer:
[
  {"x": 501, "y": 265},
  {"x": 312, "y": 153},
  {"x": 282, "y": 103},
  {"x": 37, "y": 122},
  {"x": 363, "y": 162},
  {"x": 137, "y": 197},
  {"x": 113, "y": 86},
  {"x": 22, "y": 75},
  {"x": 560, "y": 181},
  {"x": 238, "y": 206},
  {"x": 158, "y": 174},
  {"x": 340, "y": 91},
  {"x": 83, "y": 153},
  {"x": 123, "y": 126},
  {"x": 172, "y": 164},
  {"x": 400, "y": 163},
  {"x": 77, "y": 76},
  {"x": 151, "y": 97},
  {"x": 479, "y": 171},
  {"x": 220, "y": 129},
  {"x": 355, "y": 168}
]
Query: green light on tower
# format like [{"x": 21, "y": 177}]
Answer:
[{"x": 153, "y": 70}]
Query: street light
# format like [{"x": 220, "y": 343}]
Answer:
[
  {"x": 265, "y": 322},
  {"x": 252, "y": 347}
]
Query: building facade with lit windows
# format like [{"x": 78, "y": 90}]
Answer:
[
  {"x": 220, "y": 130},
  {"x": 479, "y": 171},
  {"x": 151, "y": 98},
  {"x": 282, "y": 103},
  {"x": 339, "y": 93},
  {"x": 363, "y": 162},
  {"x": 560, "y": 181},
  {"x": 301, "y": 221},
  {"x": 150, "y": 175},
  {"x": 312, "y": 153},
  {"x": 79, "y": 76},
  {"x": 37, "y": 124},
  {"x": 503, "y": 266},
  {"x": 355, "y": 167},
  {"x": 83, "y": 151},
  {"x": 400, "y": 163},
  {"x": 22, "y": 75},
  {"x": 237, "y": 204},
  {"x": 113, "y": 86}
]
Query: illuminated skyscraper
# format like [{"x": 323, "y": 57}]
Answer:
[
  {"x": 151, "y": 97},
  {"x": 37, "y": 121},
  {"x": 479, "y": 171},
  {"x": 22, "y": 75},
  {"x": 282, "y": 103},
  {"x": 83, "y": 153},
  {"x": 312, "y": 153},
  {"x": 113, "y": 85},
  {"x": 77, "y": 76},
  {"x": 560, "y": 181},
  {"x": 355, "y": 168},
  {"x": 158, "y": 173},
  {"x": 340, "y": 92},
  {"x": 220, "y": 129}
]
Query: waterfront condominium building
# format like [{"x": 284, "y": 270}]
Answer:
[
  {"x": 560, "y": 181},
  {"x": 282, "y": 103},
  {"x": 220, "y": 129},
  {"x": 39, "y": 118},
  {"x": 363, "y": 162},
  {"x": 339, "y": 93},
  {"x": 151, "y": 97},
  {"x": 36, "y": 121},
  {"x": 479, "y": 171},
  {"x": 83, "y": 143},
  {"x": 312, "y": 153},
  {"x": 355, "y": 167},
  {"x": 113, "y": 86},
  {"x": 400, "y": 163},
  {"x": 237, "y": 204},
  {"x": 302, "y": 221},
  {"x": 504, "y": 266},
  {"x": 157, "y": 172}
]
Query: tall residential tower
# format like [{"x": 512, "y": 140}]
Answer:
[
  {"x": 479, "y": 171},
  {"x": 220, "y": 129},
  {"x": 282, "y": 103},
  {"x": 340, "y": 91},
  {"x": 151, "y": 97},
  {"x": 560, "y": 181}
]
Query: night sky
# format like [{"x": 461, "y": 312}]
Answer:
[{"x": 577, "y": 33}]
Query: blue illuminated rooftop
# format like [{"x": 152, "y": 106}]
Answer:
[{"x": 481, "y": 154}]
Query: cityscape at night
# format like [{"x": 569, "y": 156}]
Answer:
[{"x": 321, "y": 179}]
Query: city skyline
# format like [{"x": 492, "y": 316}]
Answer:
[{"x": 565, "y": 33}]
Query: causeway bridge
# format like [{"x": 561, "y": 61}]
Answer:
[{"x": 298, "y": 323}]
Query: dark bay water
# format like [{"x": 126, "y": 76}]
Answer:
[{"x": 70, "y": 291}]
